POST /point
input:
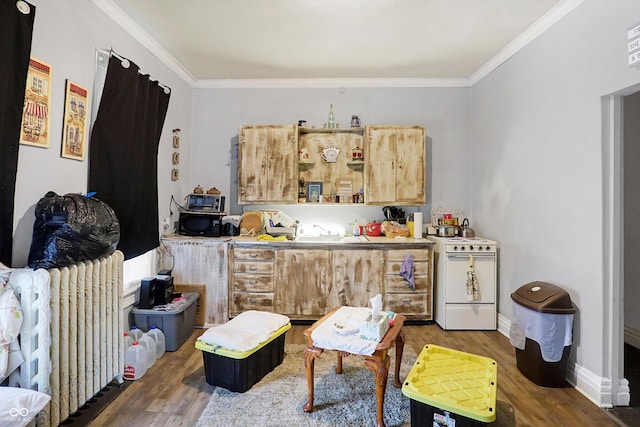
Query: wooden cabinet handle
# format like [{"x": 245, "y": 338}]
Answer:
[
  {"x": 253, "y": 300},
  {"x": 253, "y": 268},
  {"x": 253, "y": 255},
  {"x": 406, "y": 301}
]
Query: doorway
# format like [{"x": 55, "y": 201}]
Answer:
[{"x": 621, "y": 202}]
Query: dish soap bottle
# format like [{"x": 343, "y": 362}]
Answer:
[
  {"x": 356, "y": 229},
  {"x": 331, "y": 121}
]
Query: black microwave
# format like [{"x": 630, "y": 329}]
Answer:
[{"x": 200, "y": 224}]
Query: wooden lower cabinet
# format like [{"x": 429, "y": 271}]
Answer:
[
  {"x": 305, "y": 284},
  {"x": 399, "y": 297},
  {"x": 252, "y": 280},
  {"x": 358, "y": 275}
]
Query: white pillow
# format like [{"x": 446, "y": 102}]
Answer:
[
  {"x": 262, "y": 323},
  {"x": 230, "y": 338},
  {"x": 18, "y": 406}
]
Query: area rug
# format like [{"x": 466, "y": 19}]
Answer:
[{"x": 348, "y": 399}]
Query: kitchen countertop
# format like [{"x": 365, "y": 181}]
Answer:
[{"x": 371, "y": 242}]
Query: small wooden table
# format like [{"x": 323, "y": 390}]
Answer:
[{"x": 378, "y": 362}]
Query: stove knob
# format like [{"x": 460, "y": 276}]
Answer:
[
  {"x": 470, "y": 247},
  {"x": 455, "y": 248},
  {"x": 462, "y": 248},
  {"x": 488, "y": 248},
  {"x": 480, "y": 248}
]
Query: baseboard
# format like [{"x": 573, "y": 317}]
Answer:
[
  {"x": 632, "y": 336},
  {"x": 594, "y": 387}
]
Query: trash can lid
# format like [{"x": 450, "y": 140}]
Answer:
[{"x": 544, "y": 297}]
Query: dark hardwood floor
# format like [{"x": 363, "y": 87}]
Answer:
[{"x": 174, "y": 392}]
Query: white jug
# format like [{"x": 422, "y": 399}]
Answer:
[{"x": 159, "y": 337}]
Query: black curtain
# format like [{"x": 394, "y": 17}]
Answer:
[
  {"x": 123, "y": 153},
  {"x": 16, "y": 29}
]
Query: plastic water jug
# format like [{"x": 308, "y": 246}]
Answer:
[
  {"x": 157, "y": 334},
  {"x": 150, "y": 344},
  {"x": 135, "y": 361},
  {"x": 128, "y": 341},
  {"x": 135, "y": 333}
]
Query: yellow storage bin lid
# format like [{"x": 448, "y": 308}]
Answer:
[
  {"x": 455, "y": 381},
  {"x": 236, "y": 354}
]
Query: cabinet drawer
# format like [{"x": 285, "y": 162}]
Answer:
[
  {"x": 254, "y": 254},
  {"x": 419, "y": 267},
  {"x": 244, "y": 301},
  {"x": 400, "y": 284},
  {"x": 416, "y": 303},
  {"x": 418, "y": 254},
  {"x": 253, "y": 282},
  {"x": 253, "y": 267}
]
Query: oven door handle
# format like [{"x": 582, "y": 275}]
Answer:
[{"x": 474, "y": 255}]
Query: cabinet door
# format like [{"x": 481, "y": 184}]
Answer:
[
  {"x": 411, "y": 162},
  {"x": 304, "y": 283},
  {"x": 396, "y": 167},
  {"x": 358, "y": 275},
  {"x": 267, "y": 164}
]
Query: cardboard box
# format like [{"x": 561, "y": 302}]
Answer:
[{"x": 200, "y": 304}]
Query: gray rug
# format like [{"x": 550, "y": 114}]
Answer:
[{"x": 348, "y": 399}]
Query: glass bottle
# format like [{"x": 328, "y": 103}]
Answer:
[{"x": 331, "y": 121}]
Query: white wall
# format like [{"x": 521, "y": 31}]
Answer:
[
  {"x": 537, "y": 170},
  {"x": 219, "y": 113},
  {"x": 66, "y": 35}
]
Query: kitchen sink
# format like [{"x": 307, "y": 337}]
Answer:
[{"x": 331, "y": 239}]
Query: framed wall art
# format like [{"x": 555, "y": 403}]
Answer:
[
  {"x": 35, "y": 114},
  {"x": 314, "y": 192},
  {"x": 74, "y": 128}
]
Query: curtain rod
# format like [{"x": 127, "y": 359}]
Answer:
[{"x": 126, "y": 64}]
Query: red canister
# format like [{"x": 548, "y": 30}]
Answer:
[{"x": 374, "y": 229}]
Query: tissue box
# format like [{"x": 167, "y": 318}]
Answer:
[{"x": 374, "y": 330}]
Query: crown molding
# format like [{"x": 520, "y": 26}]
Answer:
[
  {"x": 554, "y": 15},
  {"x": 138, "y": 33},
  {"x": 539, "y": 27},
  {"x": 320, "y": 83}
]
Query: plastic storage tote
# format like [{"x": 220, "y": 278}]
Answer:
[
  {"x": 541, "y": 331},
  {"x": 177, "y": 324},
  {"x": 450, "y": 387},
  {"x": 239, "y": 371}
]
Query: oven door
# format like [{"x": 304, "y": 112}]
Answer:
[{"x": 456, "y": 266}]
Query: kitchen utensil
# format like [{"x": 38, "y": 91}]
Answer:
[
  {"x": 444, "y": 230},
  {"x": 374, "y": 229},
  {"x": 465, "y": 231},
  {"x": 393, "y": 213},
  {"x": 251, "y": 223}
]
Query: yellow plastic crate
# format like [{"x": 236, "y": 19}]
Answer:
[{"x": 454, "y": 381}]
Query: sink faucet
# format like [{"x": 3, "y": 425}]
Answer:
[{"x": 322, "y": 228}]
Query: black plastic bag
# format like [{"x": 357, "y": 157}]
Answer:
[{"x": 72, "y": 228}]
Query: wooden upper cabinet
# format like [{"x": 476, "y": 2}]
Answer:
[
  {"x": 267, "y": 164},
  {"x": 395, "y": 158}
]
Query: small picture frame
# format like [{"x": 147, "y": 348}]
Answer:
[
  {"x": 174, "y": 174},
  {"x": 314, "y": 192},
  {"x": 175, "y": 159}
]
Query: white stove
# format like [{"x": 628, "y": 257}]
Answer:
[{"x": 456, "y": 307}]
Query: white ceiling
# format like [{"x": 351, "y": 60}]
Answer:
[{"x": 210, "y": 40}]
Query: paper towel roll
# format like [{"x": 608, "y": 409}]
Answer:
[{"x": 417, "y": 225}]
